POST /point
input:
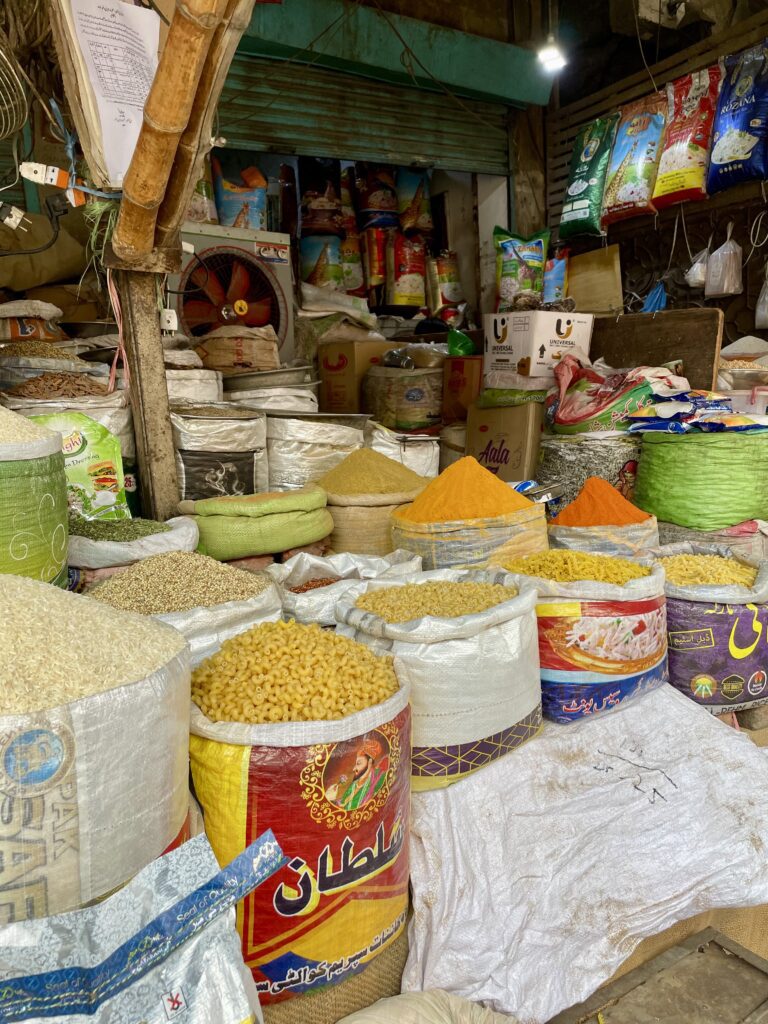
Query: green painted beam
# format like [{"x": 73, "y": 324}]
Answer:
[{"x": 346, "y": 36}]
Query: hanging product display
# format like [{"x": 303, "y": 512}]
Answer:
[
  {"x": 692, "y": 101},
  {"x": 377, "y": 196},
  {"x": 740, "y": 137},
  {"x": 583, "y": 202},
  {"x": 413, "y": 201},
  {"x": 761, "y": 309},
  {"x": 320, "y": 184},
  {"x": 724, "y": 269},
  {"x": 519, "y": 266},
  {"x": 321, "y": 264},
  {"x": 556, "y": 277},
  {"x": 240, "y": 204},
  {"x": 634, "y": 159},
  {"x": 716, "y": 607},
  {"x": 350, "y": 250},
  {"x": 406, "y": 271}
]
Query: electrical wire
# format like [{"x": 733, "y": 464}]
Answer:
[
  {"x": 754, "y": 236},
  {"x": 635, "y": 4}
]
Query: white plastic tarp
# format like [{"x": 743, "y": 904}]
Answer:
[{"x": 535, "y": 878}]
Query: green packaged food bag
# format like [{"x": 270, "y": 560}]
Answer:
[
  {"x": 519, "y": 266},
  {"x": 93, "y": 465},
  {"x": 33, "y": 511},
  {"x": 583, "y": 201}
]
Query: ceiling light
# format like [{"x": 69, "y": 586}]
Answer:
[{"x": 551, "y": 56}]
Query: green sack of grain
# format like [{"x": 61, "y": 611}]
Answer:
[
  {"x": 260, "y": 524},
  {"x": 583, "y": 201},
  {"x": 33, "y": 501}
]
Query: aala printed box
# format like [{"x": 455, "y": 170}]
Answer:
[{"x": 532, "y": 344}]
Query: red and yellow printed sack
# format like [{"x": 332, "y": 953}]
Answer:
[{"x": 336, "y": 795}]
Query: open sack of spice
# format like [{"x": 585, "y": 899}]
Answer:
[
  {"x": 163, "y": 946},
  {"x": 600, "y": 519},
  {"x": 204, "y": 600},
  {"x": 104, "y": 544},
  {"x": 310, "y": 586}
]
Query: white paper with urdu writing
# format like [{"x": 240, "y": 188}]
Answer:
[
  {"x": 118, "y": 45},
  {"x": 534, "y": 878}
]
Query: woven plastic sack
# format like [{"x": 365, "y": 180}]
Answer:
[
  {"x": 631, "y": 175},
  {"x": 583, "y": 202},
  {"x": 163, "y": 947},
  {"x": 320, "y": 605},
  {"x": 260, "y": 524},
  {"x": 474, "y": 679},
  {"x": 600, "y": 644},
  {"x": 622, "y": 541},
  {"x": 219, "y": 455},
  {"x": 703, "y": 481},
  {"x": 207, "y": 628},
  {"x": 434, "y": 1007},
  {"x": 33, "y": 510},
  {"x": 343, "y": 896},
  {"x": 473, "y": 542},
  {"x": 85, "y": 553},
  {"x": 746, "y": 540},
  {"x": 302, "y": 450},
  {"x": 362, "y": 523},
  {"x": 95, "y": 790},
  {"x": 716, "y": 636},
  {"x": 420, "y": 453}
]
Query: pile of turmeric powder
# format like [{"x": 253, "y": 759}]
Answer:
[
  {"x": 599, "y": 504},
  {"x": 465, "y": 490}
]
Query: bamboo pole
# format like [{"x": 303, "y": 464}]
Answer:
[
  {"x": 166, "y": 114},
  {"x": 195, "y": 143}
]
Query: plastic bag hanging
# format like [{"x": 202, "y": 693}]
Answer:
[
  {"x": 761, "y": 310},
  {"x": 656, "y": 299},
  {"x": 724, "y": 267},
  {"x": 696, "y": 275}
]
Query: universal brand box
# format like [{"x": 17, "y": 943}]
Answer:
[{"x": 532, "y": 344}]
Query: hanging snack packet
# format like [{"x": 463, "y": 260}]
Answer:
[
  {"x": 692, "y": 101},
  {"x": 634, "y": 159},
  {"x": 443, "y": 281},
  {"x": 321, "y": 262},
  {"x": 320, "y": 184},
  {"x": 519, "y": 266},
  {"x": 583, "y": 202},
  {"x": 556, "y": 277},
  {"x": 413, "y": 201},
  {"x": 351, "y": 256},
  {"x": 406, "y": 267},
  {"x": 740, "y": 139},
  {"x": 377, "y": 196}
]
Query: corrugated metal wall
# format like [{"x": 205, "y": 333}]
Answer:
[{"x": 295, "y": 108}]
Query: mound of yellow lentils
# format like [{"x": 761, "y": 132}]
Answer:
[
  {"x": 287, "y": 672},
  {"x": 445, "y": 600}
]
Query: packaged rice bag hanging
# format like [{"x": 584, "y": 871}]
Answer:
[
  {"x": 583, "y": 202},
  {"x": 691, "y": 102},
  {"x": 634, "y": 159},
  {"x": 350, "y": 248},
  {"x": 413, "y": 201},
  {"x": 321, "y": 262},
  {"x": 519, "y": 266},
  {"x": 377, "y": 196},
  {"x": 320, "y": 183},
  {"x": 740, "y": 138},
  {"x": 406, "y": 271}
]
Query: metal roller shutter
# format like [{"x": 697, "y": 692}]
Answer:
[{"x": 295, "y": 108}]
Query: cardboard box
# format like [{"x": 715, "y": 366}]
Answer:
[
  {"x": 462, "y": 381},
  {"x": 532, "y": 344},
  {"x": 506, "y": 440},
  {"x": 343, "y": 365}
]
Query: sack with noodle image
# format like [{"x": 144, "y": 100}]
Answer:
[
  {"x": 683, "y": 166},
  {"x": 634, "y": 160},
  {"x": 740, "y": 137}
]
